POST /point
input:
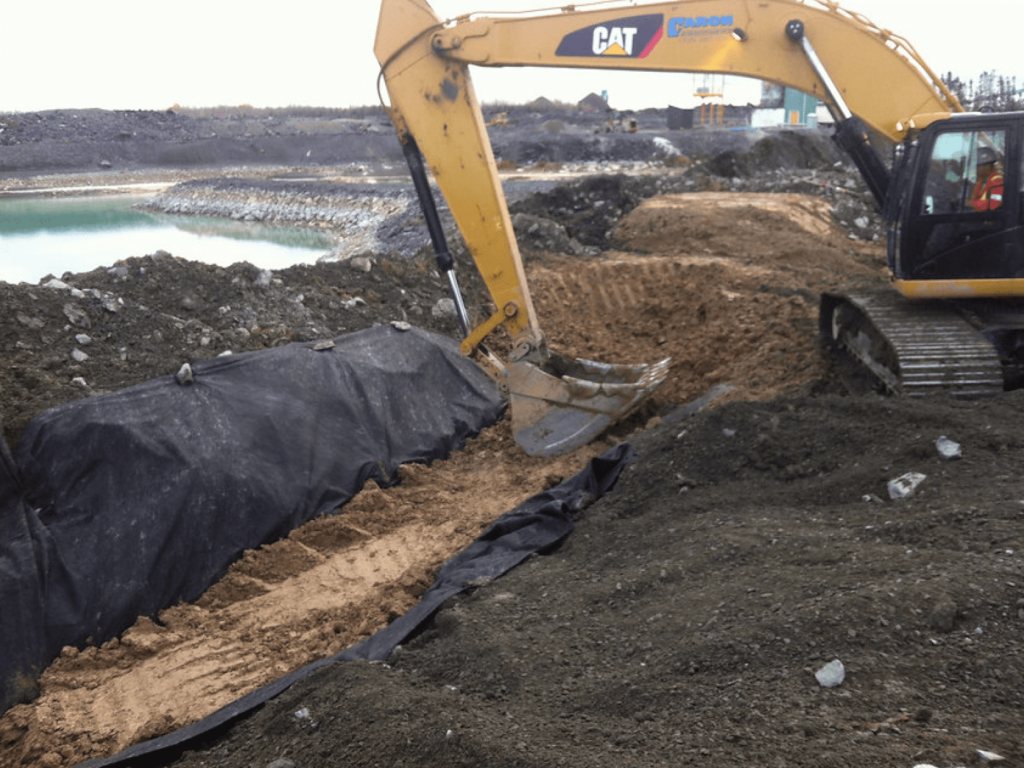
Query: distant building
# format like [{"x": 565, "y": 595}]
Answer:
[
  {"x": 723, "y": 115},
  {"x": 679, "y": 119},
  {"x": 782, "y": 106}
]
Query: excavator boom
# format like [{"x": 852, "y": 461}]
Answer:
[{"x": 715, "y": 36}]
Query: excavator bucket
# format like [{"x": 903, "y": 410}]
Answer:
[{"x": 565, "y": 407}]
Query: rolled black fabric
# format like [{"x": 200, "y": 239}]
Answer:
[{"x": 121, "y": 505}]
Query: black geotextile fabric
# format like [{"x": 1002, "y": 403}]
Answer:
[
  {"x": 118, "y": 506},
  {"x": 535, "y": 525}
]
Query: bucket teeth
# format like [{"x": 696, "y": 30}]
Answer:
[{"x": 571, "y": 401}]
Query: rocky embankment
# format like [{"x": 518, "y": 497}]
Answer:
[{"x": 365, "y": 217}]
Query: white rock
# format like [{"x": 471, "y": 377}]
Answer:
[
  {"x": 989, "y": 756},
  {"x": 905, "y": 485},
  {"x": 948, "y": 449},
  {"x": 361, "y": 263},
  {"x": 831, "y": 675},
  {"x": 444, "y": 308},
  {"x": 184, "y": 375}
]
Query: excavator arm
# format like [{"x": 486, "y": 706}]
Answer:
[
  {"x": 560, "y": 403},
  {"x": 880, "y": 75}
]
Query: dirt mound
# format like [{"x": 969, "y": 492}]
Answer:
[
  {"x": 785, "y": 150},
  {"x": 143, "y": 317},
  {"x": 725, "y": 285}
]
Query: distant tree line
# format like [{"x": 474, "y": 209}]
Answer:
[{"x": 991, "y": 93}]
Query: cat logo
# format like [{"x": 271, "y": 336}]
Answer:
[
  {"x": 614, "y": 41},
  {"x": 633, "y": 37}
]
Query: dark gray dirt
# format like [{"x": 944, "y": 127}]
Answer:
[{"x": 683, "y": 621}]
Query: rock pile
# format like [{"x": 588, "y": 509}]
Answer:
[
  {"x": 144, "y": 317},
  {"x": 355, "y": 212}
]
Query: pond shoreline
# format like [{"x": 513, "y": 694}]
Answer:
[{"x": 44, "y": 237}]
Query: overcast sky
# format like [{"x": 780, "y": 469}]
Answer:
[{"x": 131, "y": 54}]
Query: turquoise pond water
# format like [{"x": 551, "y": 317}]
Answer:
[{"x": 50, "y": 236}]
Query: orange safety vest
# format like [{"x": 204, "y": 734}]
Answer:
[{"x": 988, "y": 193}]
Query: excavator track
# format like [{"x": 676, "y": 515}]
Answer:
[{"x": 912, "y": 348}]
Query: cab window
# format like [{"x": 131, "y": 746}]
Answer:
[{"x": 964, "y": 172}]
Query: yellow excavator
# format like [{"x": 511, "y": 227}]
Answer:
[{"x": 950, "y": 193}]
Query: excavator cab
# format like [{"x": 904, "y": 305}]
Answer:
[
  {"x": 956, "y": 248},
  {"x": 956, "y": 227}
]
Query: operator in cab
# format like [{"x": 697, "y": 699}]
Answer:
[{"x": 988, "y": 191}]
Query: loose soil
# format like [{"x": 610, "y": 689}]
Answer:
[{"x": 684, "y": 619}]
